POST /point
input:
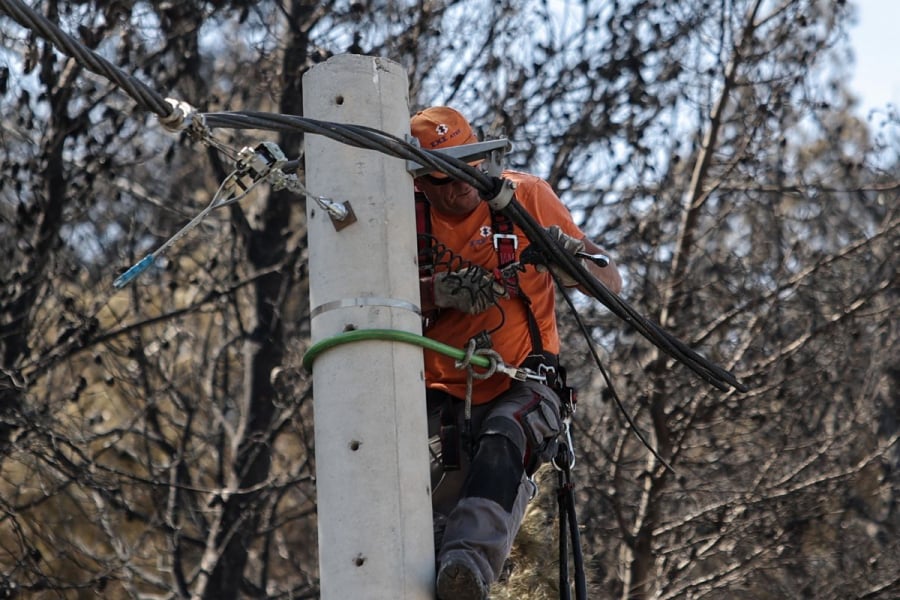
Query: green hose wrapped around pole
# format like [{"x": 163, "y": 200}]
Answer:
[{"x": 388, "y": 335}]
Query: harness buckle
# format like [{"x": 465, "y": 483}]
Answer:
[
  {"x": 506, "y": 236},
  {"x": 521, "y": 373},
  {"x": 547, "y": 371}
]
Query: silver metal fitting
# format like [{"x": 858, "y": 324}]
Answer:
[
  {"x": 504, "y": 196},
  {"x": 491, "y": 151}
]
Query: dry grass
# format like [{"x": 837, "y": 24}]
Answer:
[{"x": 532, "y": 570}]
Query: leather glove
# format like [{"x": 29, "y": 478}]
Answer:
[
  {"x": 471, "y": 290},
  {"x": 570, "y": 245}
]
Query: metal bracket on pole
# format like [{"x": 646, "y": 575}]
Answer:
[
  {"x": 491, "y": 152},
  {"x": 340, "y": 213}
]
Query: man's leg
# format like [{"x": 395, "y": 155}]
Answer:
[{"x": 481, "y": 528}]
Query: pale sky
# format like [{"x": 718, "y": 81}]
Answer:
[{"x": 876, "y": 45}]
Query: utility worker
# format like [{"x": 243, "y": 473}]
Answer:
[{"x": 479, "y": 497}]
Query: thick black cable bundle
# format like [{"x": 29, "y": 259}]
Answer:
[
  {"x": 354, "y": 135},
  {"x": 367, "y": 137}
]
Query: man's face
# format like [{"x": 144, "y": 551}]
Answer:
[{"x": 449, "y": 196}]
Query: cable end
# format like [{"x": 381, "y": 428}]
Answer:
[{"x": 126, "y": 277}]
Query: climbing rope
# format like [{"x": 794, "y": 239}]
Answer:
[
  {"x": 494, "y": 357},
  {"x": 492, "y": 362}
]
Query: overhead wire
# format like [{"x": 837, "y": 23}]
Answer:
[
  {"x": 358, "y": 136},
  {"x": 606, "y": 377}
]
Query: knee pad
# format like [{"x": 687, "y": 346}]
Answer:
[
  {"x": 496, "y": 471},
  {"x": 506, "y": 427},
  {"x": 533, "y": 429}
]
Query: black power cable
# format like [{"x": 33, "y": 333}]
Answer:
[
  {"x": 145, "y": 96},
  {"x": 369, "y": 138},
  {"x": 354, "y": 135},
  {"x": 606, "y": 377},
  {"x": 568, "y": 528}
]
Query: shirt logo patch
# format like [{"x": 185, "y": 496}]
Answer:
[{"x": 485, "y": 231}]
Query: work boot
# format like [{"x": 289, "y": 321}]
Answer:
[{"x": 459, "y": 580}]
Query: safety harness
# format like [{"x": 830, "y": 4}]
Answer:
[{"x": 505, "y": 243}]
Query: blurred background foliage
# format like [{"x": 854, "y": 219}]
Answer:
[{"x": 157, "y": 441}]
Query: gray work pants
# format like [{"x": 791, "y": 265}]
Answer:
[{"x": 480, "y": 507}]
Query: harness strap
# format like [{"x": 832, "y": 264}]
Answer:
[
  {"x": 425, "y": 251},
  {"x": 506, "y": 242},
  {"x": 423, "y": 231}
]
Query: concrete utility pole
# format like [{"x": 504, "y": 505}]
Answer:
[{"x": 374, "y": 495}]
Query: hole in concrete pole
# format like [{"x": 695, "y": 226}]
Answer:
[
  {"x": 355, "y": 444},
  {"x": 359, "y": 560},
  {"x": 339, "y": 100}
]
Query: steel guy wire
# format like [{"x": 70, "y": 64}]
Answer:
[
  {"x": 148, "y": 98},
  {"x": 148, "y": 261}
]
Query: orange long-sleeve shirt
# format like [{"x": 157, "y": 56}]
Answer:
[{"x": 471, "y": 237}]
